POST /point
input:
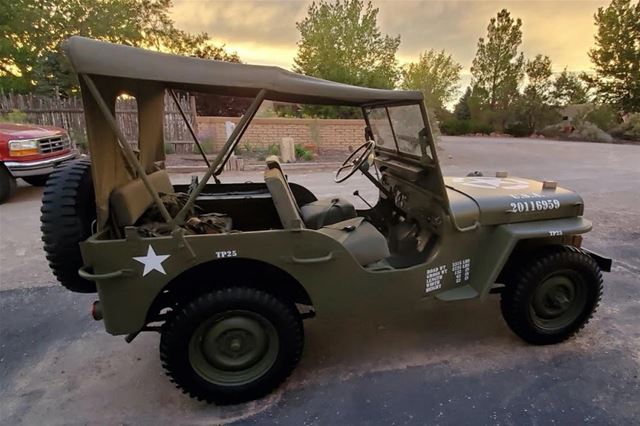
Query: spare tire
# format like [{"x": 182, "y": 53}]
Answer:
[{"x": 68, "y": 212}]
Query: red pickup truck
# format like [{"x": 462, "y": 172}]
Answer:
[{"x": 31, "y": 152}]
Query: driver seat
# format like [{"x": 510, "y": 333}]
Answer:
[
  {"x": 319, "y": 213},
  {"x": 359, "y": 237}
]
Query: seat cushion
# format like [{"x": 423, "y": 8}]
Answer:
[
  {"x": 326, "y": 212},
  {"x": 130, "y": 201},
  {"x": 360, "y": 238}
]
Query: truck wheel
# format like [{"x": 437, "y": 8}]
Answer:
[
  {"x": 553, "y": 296},
  {"x": 7, "y": 184},
  {"x": 68, "y": 210},
  {"x": 40, "y": 180},
  {"x": 231, "y": 345}
]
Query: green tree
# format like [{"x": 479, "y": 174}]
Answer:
[
  {"x": 30, "y": 53},
  {"x": 497, "y": 68},
  {"x": 462, "y": 110},
  {"x": 341, "y": 41},
  {"x": 616, "y": 55},
  {"x": 535, "y": 104},
  {"x": 436, "y": 74},
  {"x": 569, "y": 89}
]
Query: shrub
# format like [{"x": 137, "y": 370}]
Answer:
[
  {"x": 14, "y": 116},
  {"x": 302, "y": 153},
  {"x": 629, "y": 130},
  {"x": 273, "y": 149},
  {"x": 554, "y": 131},
  {"x": 454, "y": 127},
  {"x": 589, "y": 132},
  {"x": 517, "y": 129},
  {"x": 80, "y": 139},
  {"x": 603, "y": 116},
  {"x": 207, "y": 145},
  {"x": 480, "y": 127}
]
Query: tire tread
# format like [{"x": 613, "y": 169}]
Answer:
[
  {"x": 514, "y": 298},
  {"x": 64, "y": 222},
  {"x": 173, "y": 340}
]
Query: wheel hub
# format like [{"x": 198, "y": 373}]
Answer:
[
  {"x": 554, "y": 297},
  {"x": 557, "y": 301},
  {"x": 234, "y": 343},
  {"x": 233, "y": 348}
]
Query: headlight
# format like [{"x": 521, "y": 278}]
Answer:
[{"x": 23, "y": 147}]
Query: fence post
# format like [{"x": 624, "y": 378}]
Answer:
[{"x": 194, "y": 113}]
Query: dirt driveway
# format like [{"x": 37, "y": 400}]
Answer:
[{"x": 453, "y": 363}]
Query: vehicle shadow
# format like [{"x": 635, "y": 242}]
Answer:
[
  {"x": 435, "y": 332},
  {"x": 462, "y": 336}
]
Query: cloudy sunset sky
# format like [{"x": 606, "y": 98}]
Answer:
[{"x": 264, "y": 32}]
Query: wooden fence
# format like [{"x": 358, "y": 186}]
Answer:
[{"x": 68, "y": 113}]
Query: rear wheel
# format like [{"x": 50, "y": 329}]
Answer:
[
  {"x": 7, "y": 184},
  {"x": 552, "y": 297},
  {"x": 40, "y": 180},
  {"x": 231, "y": 345}
]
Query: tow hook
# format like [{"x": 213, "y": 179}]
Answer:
[{"x": 96, "y": 311}]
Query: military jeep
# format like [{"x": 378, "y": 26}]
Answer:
[{"x": 227, "y": 272}]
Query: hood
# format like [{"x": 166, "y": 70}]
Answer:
[
  {"x": 493, "y": 200},
  {"x": 27, "y": 131}
]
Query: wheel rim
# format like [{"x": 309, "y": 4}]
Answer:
[
  {"x": 558, "y": 301},
  {"x": 233, "y": 348}
]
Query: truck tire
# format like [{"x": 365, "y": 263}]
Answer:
[
  {"x": 7, "y": 184},
  {"x": 553, "y": 296},
  {"x": 231, "y": 345},
  {"x": 68, "y": 211},
  {"x": 39, "y": 180}
]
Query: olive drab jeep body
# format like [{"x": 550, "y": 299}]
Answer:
[{"x": 228, "y": 272}]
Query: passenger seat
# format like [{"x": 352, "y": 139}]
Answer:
[
  {"x": 359, "y": 237},
  {"x": 319, "y": 213}
]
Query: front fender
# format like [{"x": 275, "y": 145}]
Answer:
[{"x": 503, "y": 241}]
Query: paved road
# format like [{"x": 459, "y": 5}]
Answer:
[{"x": 445, "y": 364}]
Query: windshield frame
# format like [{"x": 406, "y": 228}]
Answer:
[{"x": 423, "y": 136}]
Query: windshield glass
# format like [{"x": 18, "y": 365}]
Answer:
[
  {"x": 404, "y": 135},
  {"x": 381, "y": 128}
]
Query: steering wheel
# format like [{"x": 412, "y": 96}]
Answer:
[{"x": 354, "y": 161}]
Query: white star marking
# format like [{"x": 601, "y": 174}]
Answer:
[
  {"x": 152, "y": 262},
  {"x": 487, "y": 182}
]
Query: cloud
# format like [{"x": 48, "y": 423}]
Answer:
[
  {"x": 265, "y": 32},
  {"x": 259, "y": 22}
]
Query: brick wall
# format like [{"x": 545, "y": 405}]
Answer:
[{"x": 322, "y": 134}]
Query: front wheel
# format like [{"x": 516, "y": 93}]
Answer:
[
  {"x": 553, "y": 296},
  {"x": 231, "y": 345},
  {"x": 7, "y": 184}
]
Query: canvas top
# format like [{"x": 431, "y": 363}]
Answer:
[{"x": 94, "y": 57}]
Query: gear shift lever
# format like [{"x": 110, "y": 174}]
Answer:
[{"x": 357, "y": 194}]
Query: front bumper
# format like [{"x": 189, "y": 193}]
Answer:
[{"x": 39, "y": 167}]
